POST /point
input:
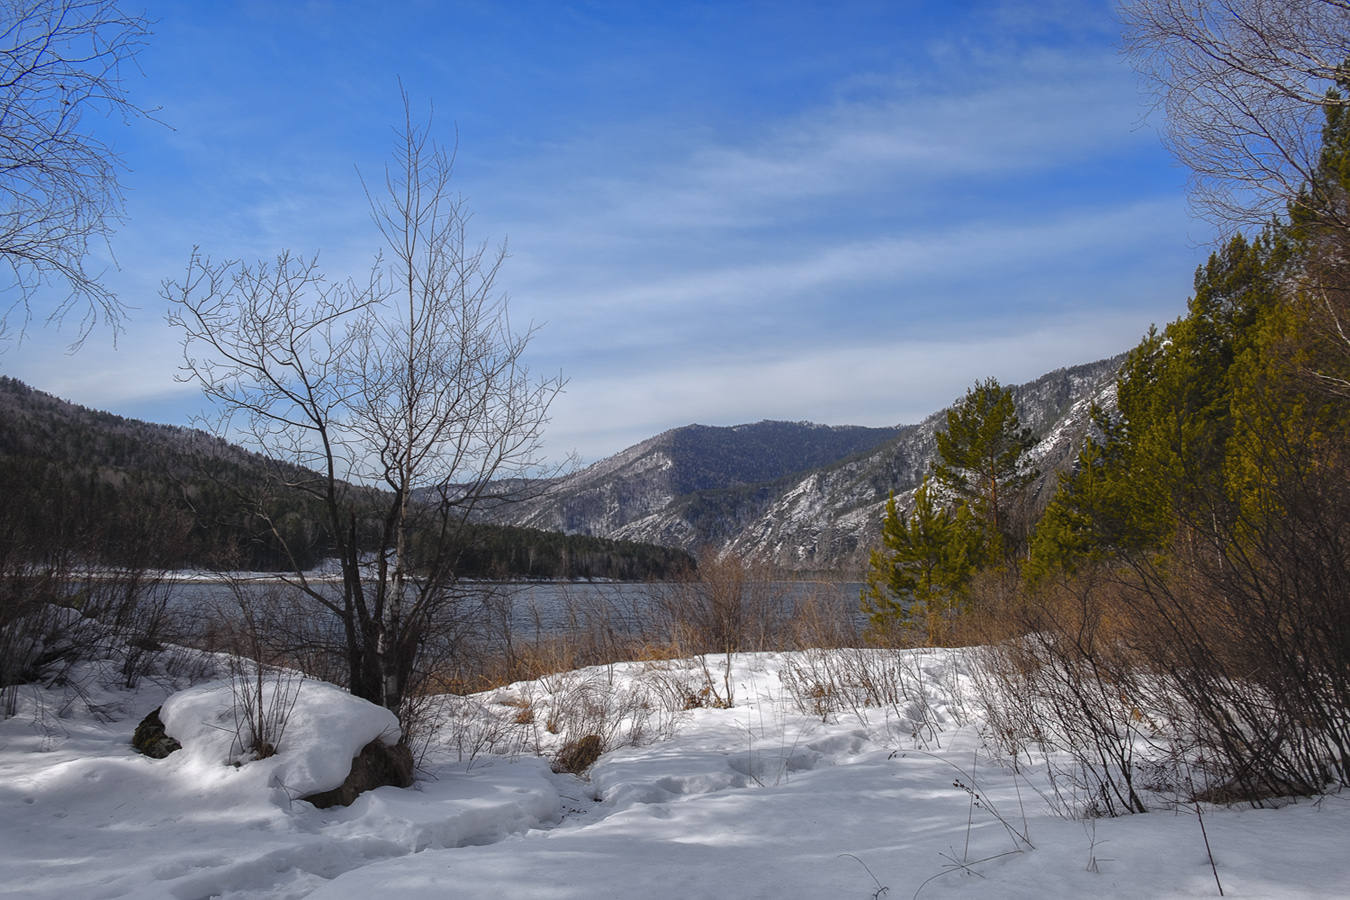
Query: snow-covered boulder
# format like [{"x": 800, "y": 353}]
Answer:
[
  {"x": 325, "y": 729},
  {"x": 377, "y": 765}
]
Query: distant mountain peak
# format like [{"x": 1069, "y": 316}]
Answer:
[{"x": 799, "y": 494}]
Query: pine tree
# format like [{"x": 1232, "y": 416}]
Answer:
[
  {"x": 982, "y": 464},
  {"x": 920, "y": 579},
  {"x": 1163, "y": 458},
  {"x": 962, "y": 519}
]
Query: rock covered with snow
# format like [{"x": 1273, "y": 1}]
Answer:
[
  {"x": 377, "y": 765},
  {"x": 325, "y": 728}
]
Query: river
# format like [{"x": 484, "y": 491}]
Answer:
[{"x": 532, "y": 609}]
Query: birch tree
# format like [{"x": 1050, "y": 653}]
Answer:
[
  {"x": 1245, "y": 85},
  {"x": 402, "y": 401},
  {"x": 59, "y": 182}
]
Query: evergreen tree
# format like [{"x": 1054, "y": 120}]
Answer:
[
  {"x": 962, "y": 519},
  {"x": 921, "y": 577},
  {"x": 1163, "y": 458},
  {"x": 981, "y": 461}
]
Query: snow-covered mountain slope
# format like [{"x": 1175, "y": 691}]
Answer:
[
  {"x": 632, "y": 490},
  {"x": 824, "y": 515}
]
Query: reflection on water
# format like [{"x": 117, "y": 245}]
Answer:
[{"x": 530, "y": 609}]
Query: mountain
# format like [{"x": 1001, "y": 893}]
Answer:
[
  {"x": 801, "y": 496},
  {"x": 36, "y": 424},
  {"x": 81, "y": 481},
  {"x": 696, "y": 460},
  {"x": 120, "y": 491}
]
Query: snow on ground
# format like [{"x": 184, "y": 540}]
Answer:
[{"x": 757, "y": 800}]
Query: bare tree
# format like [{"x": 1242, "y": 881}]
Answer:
[
  {"x": 1244, "y": 85},
  {"x": 61, "y": 60},
  {"x": 402, "y": 402}
]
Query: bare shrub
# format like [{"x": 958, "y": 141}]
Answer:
[
  {"x": 264, "y": 691},
  {"x": 592, "y": 702},
  {"x": 576, "y": 756},
  {"x": 730, "y": 605},
  {"x": 890, "y": 685},
  {"x": 556, "y": 712},
  {"x": 1069, "y": 682},
  {"x": 588, "y": 625},
  {"x": 556, "y": 681},
  {"x": 822, "y": 617},
  {"x": 263, "y": 699},
  {"x": 1217, "y": 671},
  {"x": 472, "y": 729},
  {"x": 727, "y": 605},
  {"x": 1254, "y": 646},
  {"x": 55, "y": 616}
]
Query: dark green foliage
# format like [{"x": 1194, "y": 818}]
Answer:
[
  {"x": 75, "y": 477},
  {"x": 508, "y": 552},
  {"x": 708, "y": 458},
  {"x": 921, "y": 578},
  {"x": 1321, "y": 204},
  {"x": 968, "y": 515},
  {"x": 981, "y": 459},
  {"x": 1162, "y": 459}
]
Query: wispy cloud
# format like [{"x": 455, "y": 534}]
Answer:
[
  {"x": 853, "y": 233},
  {"x": 905, "y": 143}
]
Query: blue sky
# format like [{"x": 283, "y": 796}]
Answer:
[{"x": 716, "y": 212}]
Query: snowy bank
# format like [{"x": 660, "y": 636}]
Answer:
[{"x": 762, "y": 799}]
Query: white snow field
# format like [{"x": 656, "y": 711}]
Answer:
[{"x": 759, "y": 800}]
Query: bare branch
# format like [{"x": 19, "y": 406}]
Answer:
[
  {"x": 403, "y": 403},
  {"x": 61, "y": 60},
  {"x": 1244, "y": 85}
]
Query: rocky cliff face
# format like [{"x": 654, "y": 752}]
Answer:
[
  {"x": 647, "y": 481},
  {"x": 802, "y": 496}
]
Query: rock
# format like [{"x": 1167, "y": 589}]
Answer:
[
  {"x": 150, "y": 738},
  {"x": 378, "y": 764},
  {"x": 577, "y": 756}
]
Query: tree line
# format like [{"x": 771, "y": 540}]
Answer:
[
  {"x": 508, "y": 551},
  {"x": 1186, "y": 585},
  {"x": 115, "y": 491}
]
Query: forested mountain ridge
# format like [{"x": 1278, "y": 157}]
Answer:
[
  {"x": 120, "y": 491},
  {"x": 35, "y": 423},
  {"x": 799, "y": 495},
  {"x": 824, "y": 515}
]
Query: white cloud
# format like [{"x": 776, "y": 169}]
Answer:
[
  {"x": 997, "y": 120},
  {"x": 1010, "y": 269}
]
